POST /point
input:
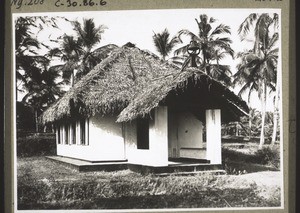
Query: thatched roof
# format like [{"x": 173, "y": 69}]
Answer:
[{"x": 130, "y": 83}]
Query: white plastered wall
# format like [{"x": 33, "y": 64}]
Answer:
[
  {"x": 157, "y": 154},
  {"x": 104, "y": 138}
]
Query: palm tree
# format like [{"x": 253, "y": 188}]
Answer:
[
  {"x": 69, "y": 54},
  {"x": 275, "y": 113},
  {"x": 258, "y": 67},
  {"x": 213, "y": 48},
  {"x": 163, "y": 43},
  {"x": 76, "y": 51},
  {"x": 88, "y": 36},
  {"x": 27, "y": 46},
  {"x": 43, "y": 89},
  {"x": 25, "y": 50}
]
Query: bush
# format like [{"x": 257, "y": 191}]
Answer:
[
  {"x": 268, "y": 156},
  {"x": 36, "y": 145},
  {"x": 237, "y": 162}
]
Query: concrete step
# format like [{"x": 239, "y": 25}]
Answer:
[
  {"x": 179, "y": 167},
  {"x": 86, "y": 166},
  {"x": 215, "y": 172},
  {"x": 174, "y": 168}
]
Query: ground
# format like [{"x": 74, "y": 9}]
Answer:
[
  {"x": 44, "y": 184},
  {"x": 252, "y": 179}
]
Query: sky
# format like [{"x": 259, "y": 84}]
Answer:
[{"x": 138, "y": 27}]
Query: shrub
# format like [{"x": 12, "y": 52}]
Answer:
[
  {"x": 36, "y": 145},
  {"x": 238, "y": 162},
  {"x": 268, "y": 156}
]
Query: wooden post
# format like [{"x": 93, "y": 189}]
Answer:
[{"x": 213, "y": 136}]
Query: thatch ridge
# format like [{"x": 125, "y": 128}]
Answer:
[{"x": 157, "y": 92}]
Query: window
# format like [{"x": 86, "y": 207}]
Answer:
[
  {"x": 143, "y": 133},
  {"x": 66, "y": 134},
  {"x": 82, "y": 132},
  {"x": 61, "y": 131},
  {"x": 58, "y": 134},
  {"x": 73, "y": 132}
]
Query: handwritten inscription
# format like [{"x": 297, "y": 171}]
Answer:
[
  {"x": 79, "y": 3},
  {"x": 20, "y": 3},
  {"x": 59, "y": 3}
]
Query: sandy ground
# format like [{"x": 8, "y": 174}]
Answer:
[
  {"x": 268, "y": 183},
  {"x": 266, "y": 178}
]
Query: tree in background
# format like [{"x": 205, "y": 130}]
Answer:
[
  {"x": 42, "y": 90},
  {"x": 69, "y": 53},
  {"x": 88, "y": 36},
  {"x": 33, "y": 76},
  {"x": 76, "y": 52},
  {"x": 26, "y": 46},
  {"x": 213, "y": 48},
  {"x": 164, "y": 45},
  {"x": 257, "y": 70}
]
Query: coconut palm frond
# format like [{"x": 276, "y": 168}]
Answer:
[
  {"x": 88, "y": 33},
  {"x": 212, "y": 20},
  {"x": 190, "y": 34},
  {"x": 262, "y": 30},
  {"x": 275, "y": 20},
  {"x": 244, "y": 89},
  {"x": 163, "y": 44},
  {"x": 30, "y": 42},
  {"x": 273, "y": 41},
  {"x": 244, "y": 28},
  {"x": 273, "y": 53},
  {"x": 220, "y": 30},
  {"x": 272, "y": 88},
  {"x": 222, "y": 43},
  {"x": 181, "y": 50},
  {"x": 55, "y": 52},
  {"x": 225, "y": 41},
  {"x": 174, "y": 41},
  {"x": 221, "y": 72}
]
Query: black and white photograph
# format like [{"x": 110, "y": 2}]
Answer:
[{"x": 133, "y": 110}]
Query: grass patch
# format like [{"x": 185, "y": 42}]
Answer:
[
  {"x": 246, "y": 158},
  {"x": 44, "y": 184}
]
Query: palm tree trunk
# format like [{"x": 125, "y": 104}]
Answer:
[
  {"x": 263, "y": 114},
  {"x": 275, "y": 115},
  {"x": 250, "y": 125},
  {"x": 72, "y": 78},
  {"x": 204, "y": 62},
  {"x": 36, "y": 121}
]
